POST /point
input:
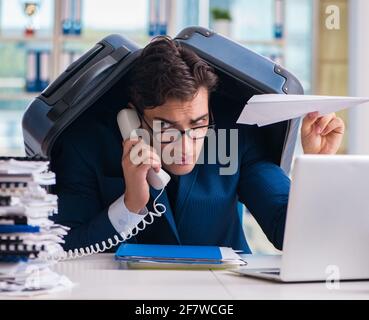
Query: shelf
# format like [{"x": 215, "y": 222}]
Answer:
[
  {"x": 94, "y": 39},
  {"x": 20, "y": 39},
  {"x": 274, "y": 42},
  {"x": 35, "y": 39},
  {"x": 18, "y": 96},
  {"x": 77, "y": 38}
]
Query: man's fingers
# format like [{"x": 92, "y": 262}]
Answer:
[
  {"x": 336, "y": 125},
  {"x": 149, "y": 161},
  {"x": 308, "y": 121},
  {"x": 146, "y": 158},
  {"x": 138, "y": 149},
  {"x": 128, "y": 144},
  {"x": 148, "y": 164},
  {"x": 322, "y": 123},
  {"x": 316, "y": 122},
  {"x": 310, "y": 118},
  {"x": 142, "y": 152}
]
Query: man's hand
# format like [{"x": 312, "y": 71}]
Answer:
[
  {"x": 321, "y": 134},
  {"x": 138, "y": 158}
]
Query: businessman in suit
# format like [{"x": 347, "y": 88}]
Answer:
[{"x": 101, "y": 180}]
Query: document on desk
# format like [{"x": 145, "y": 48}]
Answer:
[
  {"x": 265, "y": 109},
  {"x": 29, "y": 238},
  {"x": 178, "y": 256}
]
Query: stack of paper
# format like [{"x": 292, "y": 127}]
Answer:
[
  {"x": 27, "y": 236},
  {"x": 265, "y": 109},
  {"x": 31, "y": 278},
  {"x": 178, "y": 256}
]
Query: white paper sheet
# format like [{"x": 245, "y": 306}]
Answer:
[
  {"x": 267, "y": 109},
  {"x": 32, "y": 206}
]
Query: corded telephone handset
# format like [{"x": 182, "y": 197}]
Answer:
[{"x": 128, "y": 121}]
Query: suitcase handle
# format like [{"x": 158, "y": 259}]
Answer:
[
  {"x": 93, "y": 72},
  {"x": 85, "y": 79}
]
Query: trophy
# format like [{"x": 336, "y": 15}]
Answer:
[{"x": 31, "y": 9}]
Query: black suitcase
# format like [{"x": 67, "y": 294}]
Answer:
[{"x": 243, "y": 73}]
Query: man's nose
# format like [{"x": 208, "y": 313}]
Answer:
[{"x": 186, "y": 144}]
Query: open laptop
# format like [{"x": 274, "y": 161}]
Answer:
[{"x": 327, "y": 228}]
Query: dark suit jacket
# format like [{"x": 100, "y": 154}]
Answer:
[{"x": 87, "y": 163}]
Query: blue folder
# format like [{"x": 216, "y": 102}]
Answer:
[{"x": 167, "y": 252}]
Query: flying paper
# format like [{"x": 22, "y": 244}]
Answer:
[{"x": 267, "y": 109}]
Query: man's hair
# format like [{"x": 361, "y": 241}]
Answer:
[{"x": 166, "y": 70}]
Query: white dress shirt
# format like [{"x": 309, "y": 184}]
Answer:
[{"x": 121, "y": 218}]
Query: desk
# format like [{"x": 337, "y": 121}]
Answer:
[{"x": 100, "y": 277}]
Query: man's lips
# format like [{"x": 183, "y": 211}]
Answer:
[{"x": 184, "y": 160}]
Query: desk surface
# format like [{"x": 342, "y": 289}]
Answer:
[{"x": 100, "y": 277}]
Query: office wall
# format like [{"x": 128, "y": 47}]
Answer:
[
  {"x": 358, "y": 134},
  {"x": 331, "y": 56}
]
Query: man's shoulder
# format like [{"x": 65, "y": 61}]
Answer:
[{"x": 89, "y": 134}]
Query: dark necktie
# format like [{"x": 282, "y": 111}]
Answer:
[{"x": 172, "y": 189}]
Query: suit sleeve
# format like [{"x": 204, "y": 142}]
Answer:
[
  {"x": 264, "y": 188},
  {"x": 79, "y": 204}
]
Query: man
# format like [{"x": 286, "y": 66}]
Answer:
[{"x": 171, "y": 85}]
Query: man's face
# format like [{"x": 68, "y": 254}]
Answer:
[{"x": 180, "y": 115}]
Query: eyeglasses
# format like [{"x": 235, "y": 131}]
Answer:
[{"x": 172, "y": 135}]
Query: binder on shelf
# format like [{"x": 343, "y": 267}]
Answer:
[
  {"x": 152, "y": 18},
  {"x": 158, "y": 17},
  {"x": 76, "y": 18},
  {"x": 38, "y": 69},
  {"x": 278, "y": 19},
  {"x": 163, "y": 17},
  {"x": 31, "y": 74},
  {"x": 44, "y": 69},
  {"x": 66, "y": 18},
  {"x": 71, "y": 17}
]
